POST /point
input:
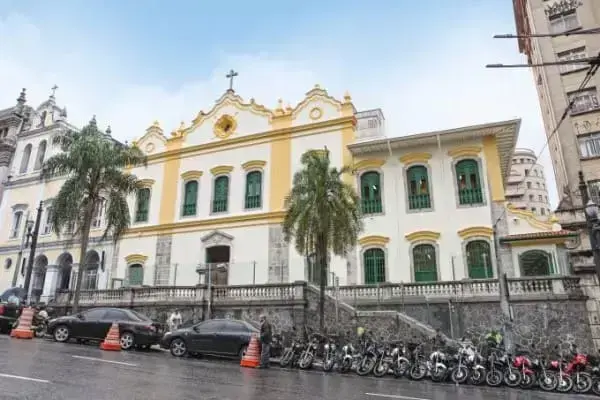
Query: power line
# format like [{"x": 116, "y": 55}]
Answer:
[
  {"x": 593, "y": 31},
  {"x": 588, "y": 60},
  {"x": 588, "y": 76}
]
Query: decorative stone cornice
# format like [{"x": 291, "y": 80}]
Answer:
[{"x": 562, "y": 7}]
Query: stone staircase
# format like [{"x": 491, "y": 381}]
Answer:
[{"x": 341, "y": 317}]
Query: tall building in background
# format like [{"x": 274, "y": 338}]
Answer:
[
  {"x": 576, "y": 144},
  {"x": 526, "y": 186}
]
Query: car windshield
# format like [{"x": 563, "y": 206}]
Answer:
[
  {"x": 142, "y": 317},
  {"x": 19, "y": 292}
]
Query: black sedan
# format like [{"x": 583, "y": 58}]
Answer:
[
  {"x": 9, "y": 312},
  {"x": 218, "y": 337},
  {"x": 135, "y": 329}
]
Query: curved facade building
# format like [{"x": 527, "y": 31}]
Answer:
[{"x": 527, "y": 188}]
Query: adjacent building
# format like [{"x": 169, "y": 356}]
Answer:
[
  {"x": 526, "y": 186},
  {"x": 576, "y": 145},
  {"x": 211, "y": 202}
]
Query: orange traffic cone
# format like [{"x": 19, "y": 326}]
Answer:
[
  {"x": 23, "y": 330},
  {"x": 112, "y": 341},
  {"x": 251, "y": 357}
]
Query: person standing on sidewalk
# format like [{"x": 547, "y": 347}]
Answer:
[{"x": 266, "y": 336}]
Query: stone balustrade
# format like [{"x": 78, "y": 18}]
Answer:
[{"x": 519, "y": 288}]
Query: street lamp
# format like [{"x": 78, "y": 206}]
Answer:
[
  {"x": 34, "y": 237},
  {"x": 593, "y": 225}
]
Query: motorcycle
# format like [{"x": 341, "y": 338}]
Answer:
[
  {"x": 576, "y": 369},
  {"x": 465, "y": 356},
  {"x": 564, "y": 381},
  {"x": 291, "y": 355},
  {"x": 384, "y": 360},
  {"x": 368, "y": 357},
  {"x": 495, "y": 370},
  {"x": 331, "y": 356},
  {"x": 310, "y": 351},
  {"x": 400, "y": 360}
]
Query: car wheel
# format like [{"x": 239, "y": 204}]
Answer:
[
  {"x": 127, "y": 341},
  {"x": 61, "y": 333},
  {"x": 178, "y": 347},
  {"x": 243, "y": 351}
]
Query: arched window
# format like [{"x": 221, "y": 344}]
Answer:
[
  {"x": 190, "y": 198},
  {"x": 374, "y": 265},
  {"x": 479, "y": 260},
  {"x": 142, "y": 205},
  {"x": 425, "y": 263},
  {"x": 16, "y": 224},
  {"x": 135, "y": 275},
  {"x": 418, "y": 188},
  {"x": 25, "y": 159},
  {"x": 221, "y": 194},
  {"x": 253, "y": 190},
  {"x": 469, "y": 182},
  {"x": 536, "y": 263},
  {"x": 370, "y": 190},
  {"x": 41, "y": 153}
]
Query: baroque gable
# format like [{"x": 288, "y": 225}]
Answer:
[
  {"x": 317, "y": 106},
  {"x": 154, "y": 141},
  {"x": 216, "y": 238}
]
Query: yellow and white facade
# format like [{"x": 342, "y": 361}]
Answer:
[{"x": 214, "y": 189}]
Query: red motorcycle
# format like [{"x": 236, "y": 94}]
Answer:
[
  {"x": 523, "y": 364},
  {"x": 576, "y": 369},
  {"x": 564, "y": 381}
]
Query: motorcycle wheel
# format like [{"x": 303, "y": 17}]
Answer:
[
  {"x": 306, "y": 361},
  {"x": 381, "y": 369},
  {"x": 596, "y": 386},
  {"x": 527, "y": 381},
  {"x": 459, "y": 374},
  {"x": 477, "y": 376},
  {"x": 582, "y": 383},
  {"x": 366, "y": 366},
  {"x": 548, "y": 381},
  {"x": 41, "y": 332},
  {"x": 328, "y": 364},
  {"x": 346, "y": 365},
  {"x": 418, "y": 371},
  {"x": 512, "y": 378},
  {"x": 565, "y": 384},
  {"x": 401, "y": 368},
  {"x": 439, "y": 375},
  {"x": 493, "y": 378},
  {"x": 286, "y": 359}
]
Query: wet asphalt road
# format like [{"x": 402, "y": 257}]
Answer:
[{"x": 40, "y": 369}]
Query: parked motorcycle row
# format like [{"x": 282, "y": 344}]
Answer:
[{"x": 461, "y": 363}]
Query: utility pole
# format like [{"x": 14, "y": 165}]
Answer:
[
  {"x": 34, "y": 238},
  {"x": 24, "y": 242},
  {"x": 503, "y": 293}
]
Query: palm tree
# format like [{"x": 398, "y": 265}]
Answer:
[
  {"x": 92, "y": 163},
  {"x": 323, "y": 215}
]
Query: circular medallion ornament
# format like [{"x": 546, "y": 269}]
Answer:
[
  {"x": 225, "y": 126},
  {"x": 315, "y": 113},
  {"x": 149, "y": 147}
]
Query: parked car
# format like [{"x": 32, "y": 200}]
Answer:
[
  {"x": 135, "y": 329},
  {"x": 217, "y": 337},
  {"x": 9, "y": 312}
]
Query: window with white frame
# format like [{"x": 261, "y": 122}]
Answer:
[
  {"x": 594, "y": 187},
  {"x": 564, "y": 22},
  {"x": 572, "y": 56},
  {"x": 16, "y": 225},
  {"x": 584, "y": 100},
  {"x": 48, "y": 222},
  {"x": 590, "y": 145},
  {"x": 99, "y": 214}
]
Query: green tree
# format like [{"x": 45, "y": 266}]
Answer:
[
  {"x": 92, "y": 164},
  {"x": 323, "y": 215}
]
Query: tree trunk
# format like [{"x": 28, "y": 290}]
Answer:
[
  {"x": 322, "y": 257},
  {"x": 85, "y": 239}
]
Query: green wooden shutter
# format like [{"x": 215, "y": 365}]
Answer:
[
  {"x": 370, "y": 183},
  {"x": 136, "y": 275},
  {"x": 479, "y": 260},
  {"x": 535, "y": 263},
  {"x": 143, "y": 205},
  {"x": 221, "y": 194},
  {"x": 374, "y": 265},
  {"x": 425, "y": 263},
  {"x": 253, "y": 190},
  {"x": 469, "y": 182},
  {"x": 190, "y": 198},
  {"x": 418, "y": 188}
]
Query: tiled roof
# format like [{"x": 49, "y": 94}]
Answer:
[{"x": 539, "y": 235}]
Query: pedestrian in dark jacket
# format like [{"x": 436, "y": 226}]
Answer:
[{"x": 266, "y": 336}]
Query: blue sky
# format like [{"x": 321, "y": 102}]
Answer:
[{"x": 131, "y": 62}]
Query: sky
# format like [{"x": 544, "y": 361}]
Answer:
[{"x": 130, "y": 62}]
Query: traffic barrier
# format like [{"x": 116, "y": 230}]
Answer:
[
  {"x": 251, "y": 357},
  {"x": 23, "y": 330},
  {"x": 112, "y": 342}
]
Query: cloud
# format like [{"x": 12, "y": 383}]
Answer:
[{"x": 441, "y": 85}]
